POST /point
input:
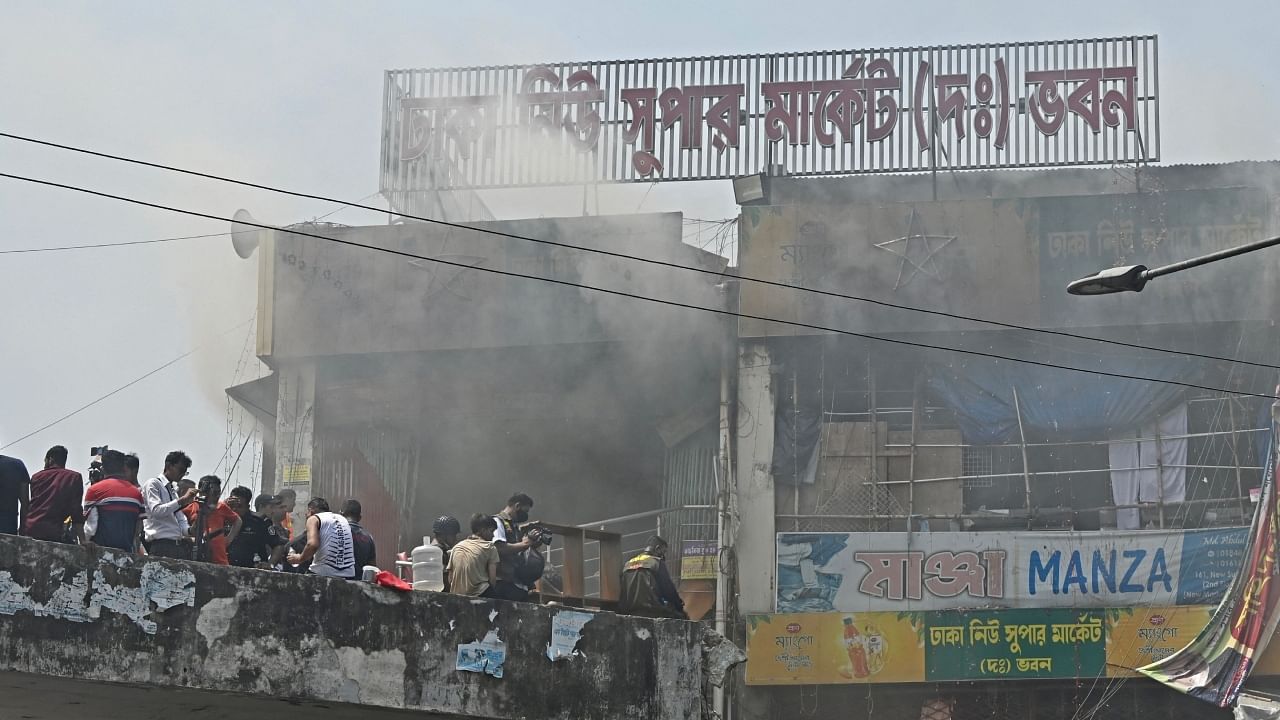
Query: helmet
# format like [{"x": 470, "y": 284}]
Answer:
[{"x": 446, "y": 525}]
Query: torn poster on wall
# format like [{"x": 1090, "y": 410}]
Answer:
[
  {"x": 566, "y": 631},
  {"x": 486, "y": 656}
]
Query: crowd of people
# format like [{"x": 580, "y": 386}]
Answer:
[{"x": 172, "y": 516}]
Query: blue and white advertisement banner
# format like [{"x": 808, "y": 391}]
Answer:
[{"x": 862, "y": 572}]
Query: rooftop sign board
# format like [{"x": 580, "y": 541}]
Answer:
[{"x": 1008, "y": 105}]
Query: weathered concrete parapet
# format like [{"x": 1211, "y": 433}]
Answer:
[{"x": 69, "y": 612}]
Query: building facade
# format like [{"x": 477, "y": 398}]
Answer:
[{"x": 931, "y": 526}]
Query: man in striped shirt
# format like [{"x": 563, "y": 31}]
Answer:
[{"x": 113, "y": 507}]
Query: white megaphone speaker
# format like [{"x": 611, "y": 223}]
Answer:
[{"x": 245, "y": 237}]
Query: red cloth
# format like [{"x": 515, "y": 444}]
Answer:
[
  {"x": 222, "y": 516},
  {"x": 388, "y": 579},
  {"x": 55, "y": 496}
]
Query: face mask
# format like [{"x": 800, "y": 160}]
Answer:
[{"x": 521, "y": 516}]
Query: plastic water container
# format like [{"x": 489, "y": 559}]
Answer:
[{"x": 428, "y": 567}]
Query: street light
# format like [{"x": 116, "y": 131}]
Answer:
[{"x": 1132, "y": 278}]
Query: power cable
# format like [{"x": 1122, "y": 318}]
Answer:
[
  {"x": 626, "y": 256},
  {"x": 157, "y": 240},
  {"x": 127, "y": 385},
  {"x": 633, "y": 296},
  {"x": 110, "y": 245}
]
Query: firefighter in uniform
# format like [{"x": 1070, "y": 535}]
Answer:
[{"x": 647, "y": 589}]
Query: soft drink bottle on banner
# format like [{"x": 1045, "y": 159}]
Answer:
[{"x": 857, "y": 653}]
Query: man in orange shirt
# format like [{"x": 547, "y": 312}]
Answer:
[{"x": 222, "y": 524}]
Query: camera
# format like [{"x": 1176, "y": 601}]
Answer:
[
  {"x": 206, "y": 495},
  {"x": 95, "y": 467},
  {"x": 544, "y": 536}
]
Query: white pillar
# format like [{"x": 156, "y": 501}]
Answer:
[{"x": 755, "y": 533}]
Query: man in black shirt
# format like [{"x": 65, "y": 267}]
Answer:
[
  {"x": 15, "y": 491},
  {"x": 362, "y": 542},
  {"x": 257, "y": 544}
]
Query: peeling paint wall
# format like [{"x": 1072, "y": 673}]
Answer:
[{"x": 98, "y": 615}]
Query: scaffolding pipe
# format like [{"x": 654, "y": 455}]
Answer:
[
  {"x": 1235, "y": 452},
  {"x": 911, "y": 464},
  {"x": 1159, "y": 473},
  {"x": 1026, "y": 472},
  {"x": 997, "y": 515},
  {"x": 875, "y": 423},
  {"x": 1048, "y": 473},
  {"x": 1186, "y": 436}
]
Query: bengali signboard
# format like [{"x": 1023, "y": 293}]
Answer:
[
  {"x": 874, "y": 110},
  {"x": 861, "y": 572},
  {"x": 963, "y": 645},
  {"x": 698, "y": 560}
]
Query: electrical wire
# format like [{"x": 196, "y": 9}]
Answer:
[
  {"x": 157, "y": 240},
  {"x": 111, "y": 245},
  {"x": 127, "y": 385},
  {"x": 623, "y": 293},
  {"x": 626, "y": 256}
]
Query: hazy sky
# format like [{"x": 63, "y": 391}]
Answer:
[{"x": 289, "y": 93}]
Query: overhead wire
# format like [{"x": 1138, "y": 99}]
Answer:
[
  {"x": 127, "y": 243},
  {"x": 110, "y": 244},
  {"x": 623, "y": 293},
  {"x": 120, "y": 389},
  {"x": 627, "y": 256}
]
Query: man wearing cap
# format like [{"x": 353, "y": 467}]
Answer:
[
  {"x": 257, "y": 544},
  {"x": 647, "y": 589},
  {"x": 444, "y": 535}
]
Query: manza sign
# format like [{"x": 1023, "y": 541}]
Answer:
[
  {"x": 859, "y": 572},
  {"x": 817, "y": 113}
]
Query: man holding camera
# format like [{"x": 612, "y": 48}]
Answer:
[
  {"x": 219, "y": 523},
  {"x": 166, "y": 527},
  {"x": 113, "y": 508},
  {"x": 520, "y": 560}
]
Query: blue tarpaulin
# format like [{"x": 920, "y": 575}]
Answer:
[{"x": 980, "y": 392}]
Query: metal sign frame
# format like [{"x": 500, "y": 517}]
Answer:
[{"x": 1006, "y": 105}]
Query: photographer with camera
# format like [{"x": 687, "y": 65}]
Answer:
[
  {"x": 113, "y": 508},
  {"x": 520, "y": 560},
  {"x": 214, "y": 524},
  {"x": 166, "y": 528}
]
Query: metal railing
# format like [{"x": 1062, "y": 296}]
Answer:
[{"x": 636, "y": 529}]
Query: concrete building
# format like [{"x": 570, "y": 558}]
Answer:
[
  {"x": 889, "y": 493},
  {"x": 409, "y": 380}
]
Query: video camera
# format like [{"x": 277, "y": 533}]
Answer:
[
  {"x": 95, "y": 467},
  {"x": 205, "y": 495},
  {"x": 544, "y": 536}
]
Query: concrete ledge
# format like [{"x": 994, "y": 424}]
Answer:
[{"x": 68, "y": 612}]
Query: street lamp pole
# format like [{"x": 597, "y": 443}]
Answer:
[{"x": 1132, "y": 278}]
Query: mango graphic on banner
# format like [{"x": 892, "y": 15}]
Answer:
[
  {"x": 833, "y": 648},
  {"x": 1146, "y": 635}
]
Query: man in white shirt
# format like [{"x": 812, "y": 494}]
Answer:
[{"x": 165, "y": 527}]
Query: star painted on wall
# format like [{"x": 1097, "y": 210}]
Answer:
[{"x": 916, "y": 249}]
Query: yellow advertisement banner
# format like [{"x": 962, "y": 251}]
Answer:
[
  {"x": 1145, "y": 635},
  {"x": 889, "y": 647},
  {"x": 833, "y": 648}
]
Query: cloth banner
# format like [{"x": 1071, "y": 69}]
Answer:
[
  {"x": 1163, "y": 475},
  {"x": 1214, "y": 666}
]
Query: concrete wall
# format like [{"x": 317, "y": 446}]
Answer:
[{"x": 68, "y": 612}]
